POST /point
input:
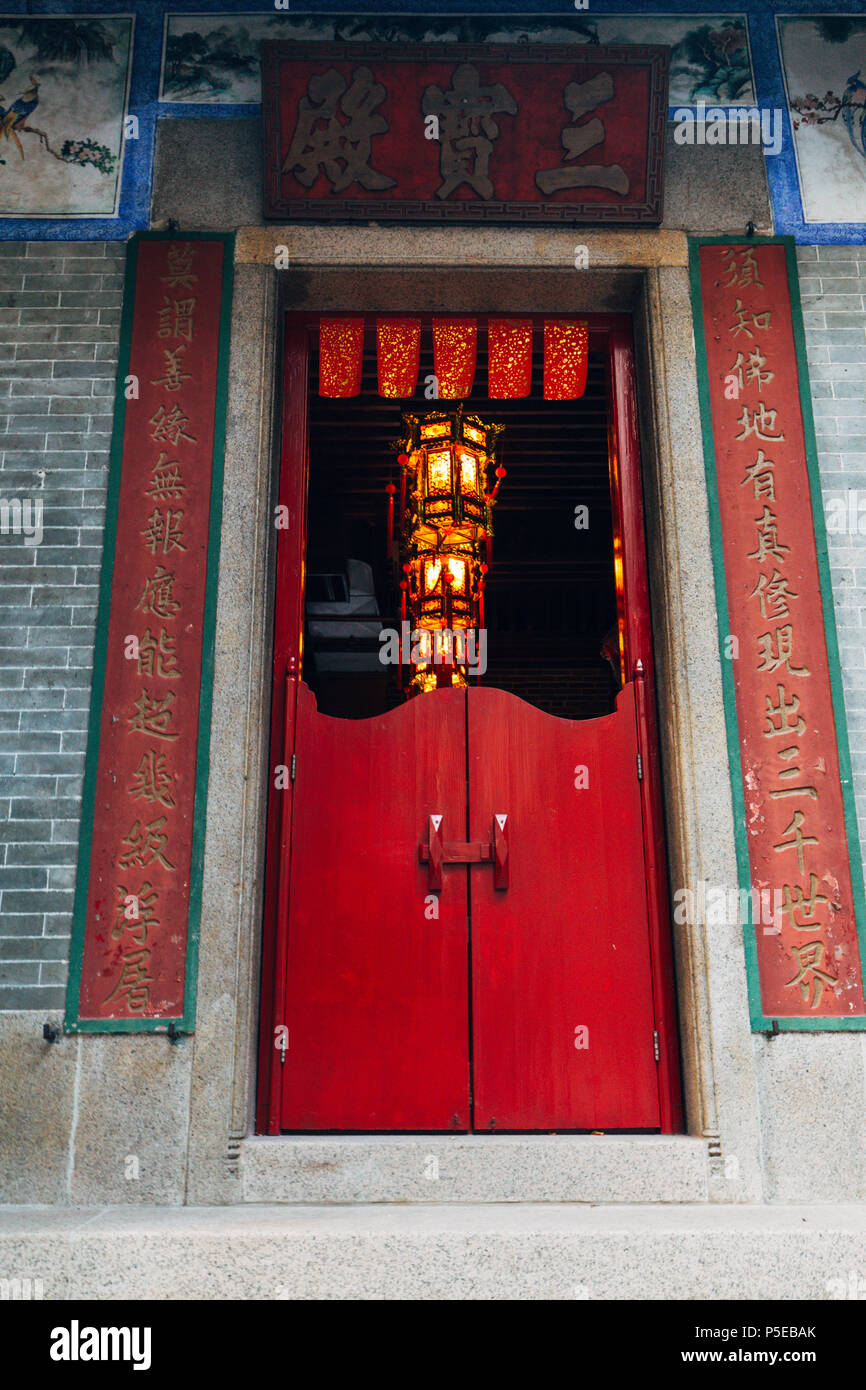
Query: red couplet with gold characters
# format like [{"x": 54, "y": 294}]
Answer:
[
  {"x": 806, "y": 943},
  {"x": 145, "y": 763}
]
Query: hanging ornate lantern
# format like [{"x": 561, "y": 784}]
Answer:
[
  {"x": 443, "y": 591},
  {"x": 445, "y": 535}
]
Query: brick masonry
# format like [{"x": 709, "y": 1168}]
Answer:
[
  {"x": 60, "y": 306},
  {"x": 833, "y": 289},
  {"x": 59, "y": 317}
]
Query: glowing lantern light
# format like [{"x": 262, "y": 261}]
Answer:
[{"x": 445, "y": 532}]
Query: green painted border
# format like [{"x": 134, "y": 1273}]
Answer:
[
  {"x": 185, "y": 1024},
  {"x": 759, "y": 1022}
]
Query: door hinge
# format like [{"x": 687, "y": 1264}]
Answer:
[
  {"x": 639, "y": 768},
  {"x": 655, "y": 1044},
  {"x": 294, "y": 767}
]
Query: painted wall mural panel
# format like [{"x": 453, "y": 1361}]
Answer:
[
  {"x": 63, "y": 94},
  {"x": 824, "y": 62},
  {"x": 215, "y": 58}
]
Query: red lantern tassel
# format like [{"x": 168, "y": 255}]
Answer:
[
  {"x": 390, "y": 489},
  {"x": 481, "y": 623},
  {"x": 404, "y": 587},
  {"x": 403, "y": 461}
]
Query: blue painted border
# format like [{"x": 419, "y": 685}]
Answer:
[
  {"x": 782, "y": 175},
  {"x": 137, "y": 172},
  {"x": 137, "y": 175}
]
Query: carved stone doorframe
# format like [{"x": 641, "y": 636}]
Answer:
[{"x": 645, "y": 274}]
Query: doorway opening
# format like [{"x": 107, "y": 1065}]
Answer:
[
  {"x": 551, "y": 596},
  {"x": 466, "y": 903}
]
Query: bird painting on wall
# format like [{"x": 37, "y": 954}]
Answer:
[
  {"x": 812, "y": 110},
  {"x": 15, "y": 122},
  {"x": 13, "y": 119},
  {"x": 853, "y": 112},
  {"x": 64, "y": 85}
]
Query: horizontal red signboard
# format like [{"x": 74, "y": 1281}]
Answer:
[
  {"x": 137, "y": 869},
  {"x": 449, "y": 132},
  {"x": 807, "y": 950}
]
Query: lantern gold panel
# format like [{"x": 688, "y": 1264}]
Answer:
[{"x": 445, "y": 535}]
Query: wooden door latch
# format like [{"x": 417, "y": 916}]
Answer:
[{"x": 438, "y": 852}]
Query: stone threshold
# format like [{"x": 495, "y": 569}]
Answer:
[
  {"x": 511, "y": 1251},
  {"x": 474, "y": 1168}
]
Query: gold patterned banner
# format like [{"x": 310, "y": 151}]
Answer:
[
  {"x": 398, "y": 355},
  {"x": 566, "y": 345},
  {"x": 509, "y": 358},
  {"x": 341, "y": 354},
  {"x": 454, "y": 352}
]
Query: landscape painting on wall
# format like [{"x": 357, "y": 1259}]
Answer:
[
  {"x": 63, "y": 92},
  {"x": 215, "y": 58},
  {"x": 824, "y": 62}
]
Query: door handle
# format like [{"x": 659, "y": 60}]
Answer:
[{"x": 439, "y": 851}]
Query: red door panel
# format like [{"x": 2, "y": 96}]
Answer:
[
  {"x": 566, "y": 945},
  {"x": 377, "y": 991}
]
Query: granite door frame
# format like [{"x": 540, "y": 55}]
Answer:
[{"x": 642, "y": 273}]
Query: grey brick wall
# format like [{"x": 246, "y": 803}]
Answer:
[
  {"x": 833, "y": 288},
  {"x": 59, "y": 320},
  {"x": 59, "y": 317}
]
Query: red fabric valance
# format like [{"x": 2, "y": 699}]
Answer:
[
  {"x": 509, "y": 346},
  {"x": 341, "y": 353},
  {"x": 509, "y": 358},
  {"x": 454, "y": 351},
  {"x": 398, "y": 354},
  {"x": 565, "y": 359}
]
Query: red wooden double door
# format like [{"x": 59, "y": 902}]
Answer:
[
  {"x": 528, "y": 987},
  {"x": 523, "y": 1007}
]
